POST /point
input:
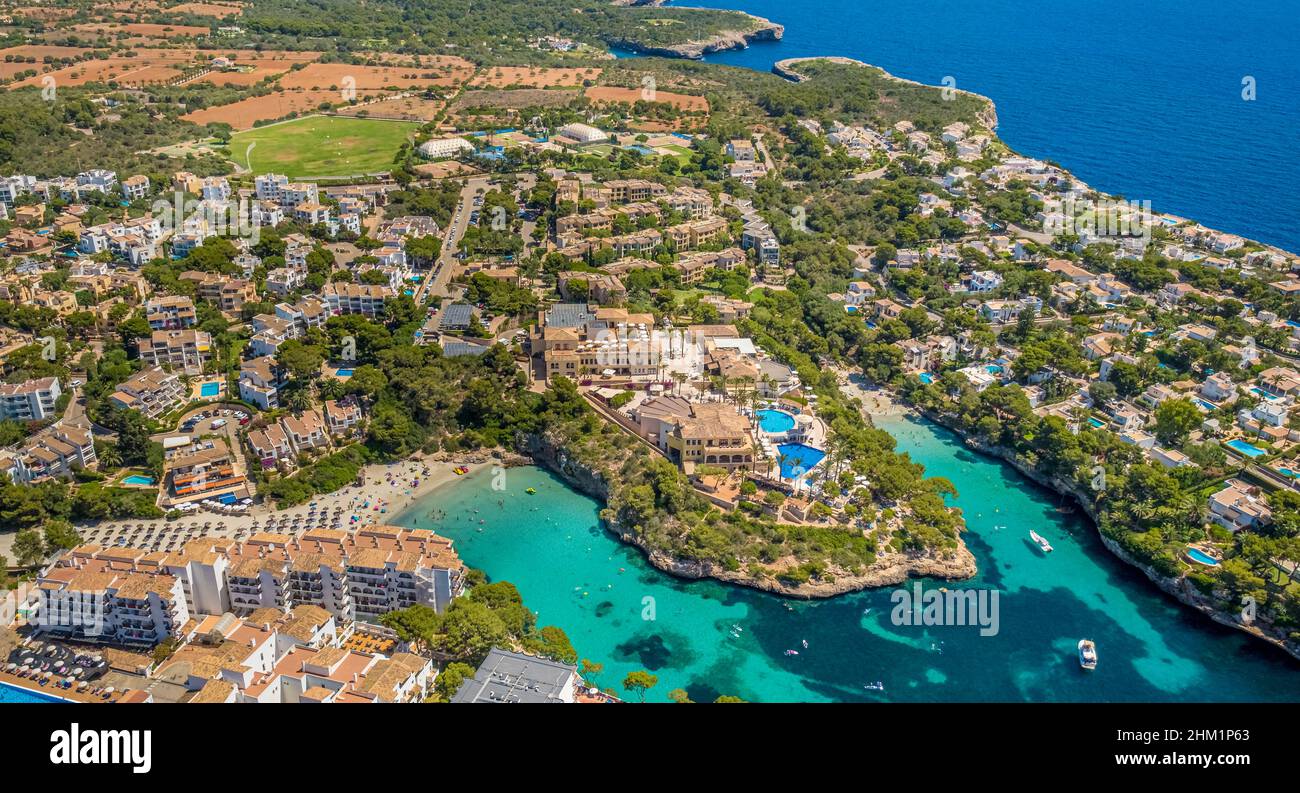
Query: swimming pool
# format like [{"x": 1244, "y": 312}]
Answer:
[
  {"x": 1250, "y": 450},
  {"x": 993, "y": 369},
  {"x": 136, "y": 479},
  {"x": 1266, "y": 395},
  {"x": 1210, "y": 406},
  {"x": 798, "y": 459},
  {"x": 344, "y": 373},
  {"x": 1096, "y": 422},
  {"x": 775, "y": 421},
  {"x": 1197, "y": 555},
  {"x": 11, "y": 693},
  {"x": 210, "y": 389},
  {"x": 1288, "y": 472},
  {"x": 926, "y": 377}
]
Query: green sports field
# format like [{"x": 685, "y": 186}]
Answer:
[{"x": 321, "y": 146}]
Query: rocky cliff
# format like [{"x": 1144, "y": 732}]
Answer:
[
  {"x": 1179, "y": 588},
  {"x": 888, "y": 570},
  {"x": 764, "y": 30}
]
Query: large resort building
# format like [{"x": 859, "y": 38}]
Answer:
[
  {"x": 576, "y": 340},
  {"x": 141, "y": 597},
  {"x": 694, "y": 434}
]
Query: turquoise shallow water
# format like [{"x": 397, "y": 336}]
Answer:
[{"x": 583, "y": 579}]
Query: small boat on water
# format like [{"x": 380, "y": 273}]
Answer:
[
  {"x": 1041, "y": 541},
  {"x": 876, "y": 686},
  {"x": 531, "y": 491},
  {"x": 805, "y": 644},
  {"x": 737, "y": 628},
  {"x": 1087, "y": 654},
  {"x": 791, "y": 652}
]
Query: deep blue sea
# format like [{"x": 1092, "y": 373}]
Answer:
[{"x": 1136, "y": 98}]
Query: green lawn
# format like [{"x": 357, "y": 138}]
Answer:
[{"x": 321, "y": 146}]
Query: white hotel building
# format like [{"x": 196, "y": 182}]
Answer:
[{"x": 146, "y": 596}]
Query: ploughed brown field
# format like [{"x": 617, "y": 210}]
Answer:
[
  {"x": 147, "y": 30},
  {"x": 534, "y": 76},
  {"x": 9, "y": 68},
  {"x": 246, "y": 112},
  {"x": 217, "y": 10},
  {"x": 445, "y": 72},
  {"x": 43, "y": 13},
  {"x": 253, "y": 67},
  {"x": 609, "y": 93},
  {"x": 406, "y": 108},
  {"x": 148, "y": 66}
]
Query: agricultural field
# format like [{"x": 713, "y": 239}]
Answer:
[
  {"x": 144, "y": 68},
  {"x": 247, "y": 112},
  {"x": 534, "y": 77},
  {"x": 22, "y": 58},
  {"x": 215, "y": 10},
  {"x": 404, "y": 108},
  {"x": 447, "y": 73},
  {"x": 145, "y": 30},
  {"x": 611, "y": 94},
  {"x": 250, "y": 68},
  {"x": 321, "y": 146}
]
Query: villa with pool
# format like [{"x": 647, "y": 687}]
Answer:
[{"x": 792, "y": 437}]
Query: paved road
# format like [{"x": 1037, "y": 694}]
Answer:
[{"x": 447, "y": 263}]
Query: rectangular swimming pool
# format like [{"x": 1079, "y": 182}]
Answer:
[
  {"x": 1238, "y": 445},
  {"x": 136, "y": 479},
  {"x": 11, "y": 693},
  {"x": 210, "y": 389}
]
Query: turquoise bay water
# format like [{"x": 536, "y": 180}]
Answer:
[
  {"x": 1139, "y": 99},
  {"x": 580, "y": 577}
]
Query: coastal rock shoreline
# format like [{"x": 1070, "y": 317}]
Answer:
[
  {"x": 788, "y": 69},
  {"x": 889, "y": 569},
  {"x": 1178, "y": 588},
  {"x": 766, "y": 30}
]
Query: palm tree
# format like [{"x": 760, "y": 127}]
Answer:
[{"x": 679, "y": 378}]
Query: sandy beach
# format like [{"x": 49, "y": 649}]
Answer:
[
  {"x": 388, "y": 490},
  {"x": 876, "y": 400}
]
